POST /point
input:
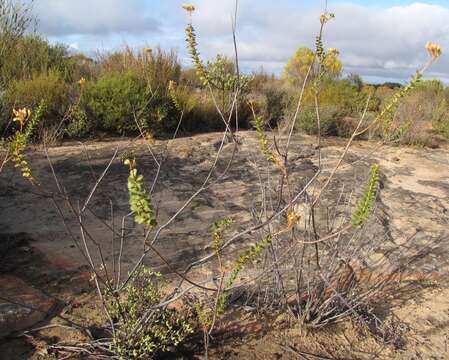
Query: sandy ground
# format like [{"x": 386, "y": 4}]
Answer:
[{"x": 414, "y": 203}]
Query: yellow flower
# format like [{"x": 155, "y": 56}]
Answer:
[
  {"x": 190, "y": 8},
  {"x": 324, "y": 18},
  {"x": 150, "y": 138},
  {"x": 82, "y": 82},
  {"x": 333, "y": 52},
  {"x": 130, "y": 163},
  {"x": 292, "y": 219},
  {"x": 172, "y": 85},
  {"x": 148, "y": 53},
  {"x": 21, "y": 115},
  {"x": 433, "y": 49}
]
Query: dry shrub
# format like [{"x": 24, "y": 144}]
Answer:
[
  {"x": 419, "y": 115},
  {"x": 156, "y": 66}
]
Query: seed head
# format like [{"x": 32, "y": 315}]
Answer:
[
  {"x": 333, "y": 52},
  {"x": 433, "y": 49},
  {"x": 172, "y": 85},
  {"x": 292, "y": 219},
  {"x": 131, "y": 163},
  {"x": 324, "y": 18},
  {"x": 21, "y": 116},
  {"x": 190, "y": 8}
]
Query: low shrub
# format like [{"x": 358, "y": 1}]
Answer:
[
  {"x": 203, "y": 116},
  {"x": 113, "y": 100},
  {"x": 440, "y": 118},
  {"x": 420, "y": 117},
  {"x": 307, "y": 120},
  {"x": 79, "y": 125},
  {"x": 48, "y": 87},
  {"x": 276, "y": 102},
  {"x": 140, "y": 331}
]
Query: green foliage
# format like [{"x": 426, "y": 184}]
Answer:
[
  {"x": 143, "y": 330},
  {"x": 15, "y": 18},
  {"x": 114, "y": 100},
  {"x": 304, "y": 59},
  {"x": 154, "y": 67},
  {"x": 183, "y": 99},
  {"x": 365, "y": 204},
  {"x": 276, "y": 102},
  {"x": 79, "y": 126},
  {"x": 139, "y": 200},
  {"x": 249, "y": 255},
  {"x": 33, "y": 55},
  {"x": 263, "y": 142},
  {"x": 195, "y": 55},
  {"x": 440, "y": 118},
  {"x": 223, "y": 79},
  {"x": 217, "y": 233},
  {"x": 386, "y": 115},
  {"x": 329, "y": 115},
  {"x": 298, "y": 66},
  {"x": 48, "y": 87}
]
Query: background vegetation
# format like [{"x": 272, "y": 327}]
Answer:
[{"x": 127, "y": 91}]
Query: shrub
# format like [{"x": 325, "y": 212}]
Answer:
[
  {"x": 276, "y": 100},
  {"x": 203, "y": 116},
  {"x": 157, "y": 67},
  {"x": 307, "y": 120},
  {"x": 421, "y": 114},
  {"x": 141, "y": 331},
  {"x": 114, "y": 100},
  {"x": 440, "y": 118},
  {"x": 48, "y": 87},
  {"x": 79, "y": 125},
  {"x": 339, "y": 101},
  {"x": 33, "y": 55},
  {"x": 161, "y": 115}
]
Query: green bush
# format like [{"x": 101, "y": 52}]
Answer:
[
  {"x": 33, "y": 55},
  {"x": 79, "y": 125},
  {"x": 157, "y": 67},
  {"x": 48, "y": 87},
  {"x": 440, "y": 118},
  {"x": 203, "y": 116},
  {"x": 116, "y": 100},
  {"x": 112, "y": 101},
  {"x": 163, "y": 328},
  {"x": 307, "y": 120},
  {"x": 161, "y": 115},
  {"x": 276, "y": 100}
]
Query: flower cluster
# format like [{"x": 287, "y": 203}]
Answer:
[
  {"x": 21, "y": 116},
  {"x": 21, "y": 138},
  {"x": 324, "y": 18},
  {"x": 82, "y": 82},
  {"x": 138, "y": 199},
  {"x": 192, "y": 45},
  {"x": 365, "y": 204},
  {"x": 190, "y": 8},
  {"x": 433, "y": 49},
  {"x": 292, "y": 219}
]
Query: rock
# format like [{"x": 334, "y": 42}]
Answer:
[{"x": 13, "y": 317}]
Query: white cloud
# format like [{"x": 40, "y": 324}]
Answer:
[
  {"x": 383, "y": 42},
  {"x": 94, "y": 17}
]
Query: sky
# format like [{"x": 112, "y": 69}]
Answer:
[{"x": 380, "y": 40}]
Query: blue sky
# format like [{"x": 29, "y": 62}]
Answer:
[{"x": 381, "y": 40}]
